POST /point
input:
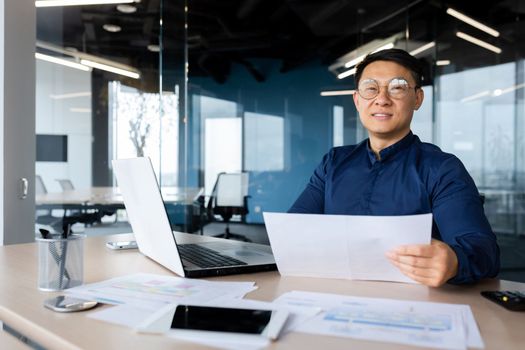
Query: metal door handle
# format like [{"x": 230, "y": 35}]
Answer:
[{"x": 23, "y": 188}]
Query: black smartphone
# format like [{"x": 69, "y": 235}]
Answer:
[{"x": 218, "y": 319}]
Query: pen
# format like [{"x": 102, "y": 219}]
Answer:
[
  {"x": 63, "y": 256},
  {"x": 65, "y": 230}
]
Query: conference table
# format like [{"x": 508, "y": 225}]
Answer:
[
  {"x": 181, "y": 202},
  {"x": 109, "y": 196},
  {"x": 21, "y": 303}
]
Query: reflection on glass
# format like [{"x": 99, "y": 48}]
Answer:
[
  {"x": 478, "y": 118},
  {"x": 222, "y": 137},
  {"x": 263, "y": 142},
  {"x": 113, "y": 108},
  {"x": 223, "y": 148},
  {"x": 63, "y": 108},
  {"x": 139, "y": 127},
  {"x": 476, "y": 122},
  {"x": 338, "y": 126},
  {"x": 422, "y": 124}
]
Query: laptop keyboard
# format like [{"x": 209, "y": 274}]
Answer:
[{"x": 205, "y": 257}]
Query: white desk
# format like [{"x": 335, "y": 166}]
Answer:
[
  {"x": 111, "y": 196},
  {"x": 21, "y": 304}
]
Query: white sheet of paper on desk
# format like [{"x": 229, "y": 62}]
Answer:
[
  {"x": 122, "y": 315},
  {"x": 435, "y": 325},
  {"x": 149, "y": 291},
  {"x": 343, "y": 246},
  {"x": 474, "y": 339},
  {"x": 221, "y": 341}
]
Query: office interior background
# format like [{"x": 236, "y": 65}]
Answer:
[{"x": 264, "y": 87}]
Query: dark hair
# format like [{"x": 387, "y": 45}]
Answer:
[{"x": 398, "y": 56}]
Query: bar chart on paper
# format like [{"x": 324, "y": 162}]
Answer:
[
  {"x": 435, "y": 325},
  {"x": 393, "y": 323},
  {"x": 155, "y": 286},
  {"x": 344, "y": 318},
  {"x": 152, "y": 291}
]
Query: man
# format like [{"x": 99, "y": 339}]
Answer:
[{"x": 394, "y": 173}]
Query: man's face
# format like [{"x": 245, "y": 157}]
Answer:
[{"x": 386, "y": 117}]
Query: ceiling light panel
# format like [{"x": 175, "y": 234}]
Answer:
[
  {"x": 423, "y": 48},
  {"x": 478, "y": 42},
  {"x": 71, "y": 95},
  {"x": 57, "y": 3},
  {"x": 112, "y": 28},
  {"x": 80, "y": 110},
  {"x": 337, "y": 92},
  {"x": 126, "y": 8},
  {"x": 112, "y": 69},
  {"x": 346, "y": 73},
  {"x": 442, "y": 62},
  {"x": 154, "y": 48},
  {"x": 473, "y": 22},
  {"x": 61, "y": 61}
]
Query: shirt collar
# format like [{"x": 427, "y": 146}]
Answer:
[{"x": 385, "y": 153}]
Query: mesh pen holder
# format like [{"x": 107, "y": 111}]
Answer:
[{"x": 60, "y": 262}]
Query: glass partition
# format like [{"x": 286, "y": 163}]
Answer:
[
  {"x": 266, "y": 88},
  {"x": 99, "y": 97}
]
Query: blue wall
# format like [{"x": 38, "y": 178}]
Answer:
[{"x": 295, "y": 96}]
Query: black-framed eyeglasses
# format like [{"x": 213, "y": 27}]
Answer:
[{"x": 396, "y": 88}]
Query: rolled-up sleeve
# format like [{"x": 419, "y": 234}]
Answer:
[{"x": 458, "y": 214}]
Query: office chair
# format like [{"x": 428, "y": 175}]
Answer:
[
  {"x": 65, "y": 184},
  {"x": 229, "y": 197},
  {"x": 40, "y": 188}
]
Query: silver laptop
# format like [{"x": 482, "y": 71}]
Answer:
[{"x": 155, "y": 239}]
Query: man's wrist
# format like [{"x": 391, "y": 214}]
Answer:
[{"x": 454, "y": 267}]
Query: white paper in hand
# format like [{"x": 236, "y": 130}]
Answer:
[{"x": 343, "y": 246}]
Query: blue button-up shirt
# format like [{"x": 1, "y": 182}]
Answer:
[{"x": 411, "y": 177}]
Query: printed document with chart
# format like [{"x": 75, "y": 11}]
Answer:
[
  {"x": 417, "y": 323},
  {"x": 343, "y": 246}
]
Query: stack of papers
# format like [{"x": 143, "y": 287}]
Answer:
[
  {"x": 139, "y": 295},
  {"x": 435, "y": 325}
]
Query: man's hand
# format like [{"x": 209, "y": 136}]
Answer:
[{"x": 430, "y": 264}]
